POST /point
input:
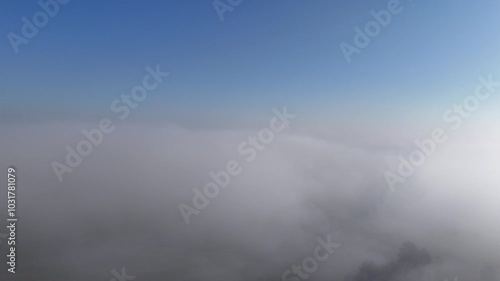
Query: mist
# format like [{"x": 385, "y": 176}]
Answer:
[{"x": 119, "y": 207}]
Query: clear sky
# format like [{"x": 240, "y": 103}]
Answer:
[{"x": 264, "y": 54}]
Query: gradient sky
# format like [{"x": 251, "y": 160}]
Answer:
[{"x": 264, "y": 54}]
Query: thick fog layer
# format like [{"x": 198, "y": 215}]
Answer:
[{"x": 119, "y": 208}]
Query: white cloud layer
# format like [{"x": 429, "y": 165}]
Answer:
[{"x": 120, "y": 207}]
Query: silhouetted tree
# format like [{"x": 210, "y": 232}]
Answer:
[{"x": 409, "y": 258}]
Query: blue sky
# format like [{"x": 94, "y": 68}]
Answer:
[{"x": 264, "y": 54}]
